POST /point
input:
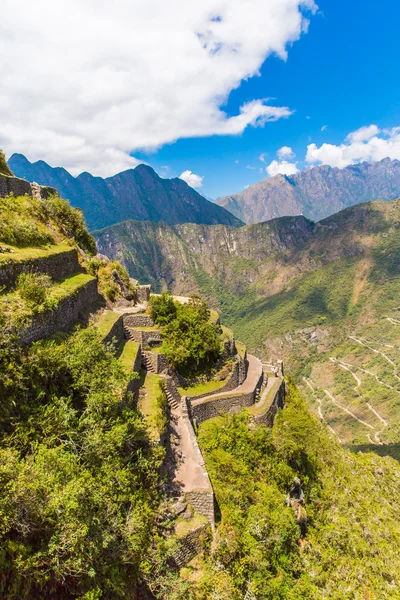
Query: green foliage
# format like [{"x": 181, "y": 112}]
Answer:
[
  {"x": 190, "y": 342},
  {"x": 4, "y": 168},
  {"x": 351, "y": 502},
  {"x": 26, "y": 221},
  {"x": 78, "y": 474},
  {"x": 163, "y": 308},
  {"x": 70, "y": 221},
  {"x": 114, "y": 281},
  {"x": 33, "y": 288}
]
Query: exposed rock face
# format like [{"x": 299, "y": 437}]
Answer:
[
  {"x": 133, "y": 194},
  {"x": 316, "y": 193}
]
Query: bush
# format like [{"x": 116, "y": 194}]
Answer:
[
  {"x": 163, "y": 308},
  {"x": 191, "y": 342},
  {"x": 4, "y": 168},
  {"x": 70, "y": 221},
  {"x": 34, "y": 288}
]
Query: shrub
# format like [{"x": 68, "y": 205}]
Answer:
[
  {"x": 163, "y": 308},
  {"x": 70, "y": 221},
  {"x": 4, "y": 168},
  {"x": 33, "y": 288}
]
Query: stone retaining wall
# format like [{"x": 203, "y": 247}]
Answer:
[
  {"x": 157, "y": 361},
  {"x": 278, "y": 402},
  {"x": 190, "y": 545},
  {"x": 170, "y": 386},
  {"x": 138, "y": 321},
  {"x": 57, "y": 266},
  {"x": 201, "y": 499},
  {"x": 236, "y": 378},
  {"x": 21, "y": 187},
  {"x": 142, "y": 337},
  {"x": 143, "y": 294},
  {"x": 70, "y": 309},
  {"x": 213, "y": 408}
]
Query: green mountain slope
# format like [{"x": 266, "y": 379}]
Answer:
[{"x": 312, "y": 294}]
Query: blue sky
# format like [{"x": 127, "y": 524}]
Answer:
[
  {"x": 343, "y": 74},
  {"x": 181, "y": 85}
]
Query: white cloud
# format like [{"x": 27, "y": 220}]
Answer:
[
  {"x": 251, "y": 167},
  {"x": 285, "y": 153},
  {"x": 237, "y": 162},
  {"x": 195, "y": 181},
  {"x": 262, "y": 157},
  {"x": 91, "y": 82},
  {"x": 281, "y": 167},
  {"x": 366, "y": 144},
  {"x": 323, "y": 127}
]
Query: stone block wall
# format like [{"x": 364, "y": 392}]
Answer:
[
  {"x": 21, "y": 187},
  {"x": 138, "y": 321},
  {"x": 143, "y": 294},
  {"x": 235, "y": 378},
  {"x": 213, "y": 408},
  {"x": 69, "y": 310},
  {"x": 201, "y": 499},
  {"x": 142, "y": 337},
  {"x": 278, "y": 402},
  {"x": 158, "y": 362},
  {"x": 190, "y": 545},
  {"x": 170, "y": 386},
  {"x": 57, "y": 266}
]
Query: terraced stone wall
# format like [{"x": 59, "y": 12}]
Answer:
[
  {"x": 158, "y": 361},
  {"x": 57, "y": 266},
  {"x": 236, "y": 378},
  {"x": 143, "y": 337},
  {"x": 138, "y": 321},
  {"x": 190, "y": 545},
  {"x": 277, "y": 402},
  {"x": 21, "y": 187},
  {"x": 71, "y": 309},
  {"x": 213, "y": 408}
]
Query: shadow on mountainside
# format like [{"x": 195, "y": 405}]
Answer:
[{"x": 392, "y": 450}]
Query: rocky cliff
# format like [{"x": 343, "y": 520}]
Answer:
[
  {"x": 133, "y": 194},
  {"x": 316, "y": 193}
]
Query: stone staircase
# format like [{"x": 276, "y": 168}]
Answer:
[
  {"x": 148, "y": 365},
  {"x": 172, "y": 401}
]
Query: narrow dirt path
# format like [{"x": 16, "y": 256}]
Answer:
[
  {"x": 319, "y": 408},
  {"x": 389, "y": 360},
  {"x": 346, "y": 410}
]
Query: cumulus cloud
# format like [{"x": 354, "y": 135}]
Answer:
[
  {"x": 285, "y": 153},
  {"x": 366, "y": 144},
  {"x": 90, "y": 82},
  {"x": 281, "y": 167},
  {"x": 195, "y": 181}
]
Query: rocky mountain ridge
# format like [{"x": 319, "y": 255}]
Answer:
[
  {"x": 316, "y": 193},
  {"x": 133, "y": 194}
]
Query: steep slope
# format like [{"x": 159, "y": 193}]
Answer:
[
  {"x": 315, "y": 294},
  {"x": 315, "y": 193},
  {"x": 133, "y": 194}
]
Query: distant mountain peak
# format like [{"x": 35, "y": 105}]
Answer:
[
  {"x": 138, "y": 193},
  {"x": 316, "y": 192}
]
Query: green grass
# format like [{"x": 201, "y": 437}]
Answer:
[
  {"x": 129, "y": 354},
  {"x": 202, "y": 388},
  {"x": 241, "y": 348},
  {"x": 69, "y": 285},
  {"x": 29, "y": 253},
  {"x": 227, "y": 334},
  {"x": 152, "y": 403},
  {"x": 106, "y": 322},
  {"x": 153, "y": 328},
  {"x": 185, "y": 526}
]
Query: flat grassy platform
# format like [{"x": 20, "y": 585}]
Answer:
[
  {"x": 28, "y": 254},
  {"x": 128, "y": 355},
  {"x": 106, "y": 322}
]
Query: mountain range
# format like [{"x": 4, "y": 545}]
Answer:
[
  {"x": 315, "y": 193},
  {"x": 133, "y": 194},
  {"x": 322, "y": 296}
]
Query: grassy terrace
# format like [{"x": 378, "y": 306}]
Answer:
[
  {"x": 227, "y": 334},
  {"x": 106, "y": 322},
  {"x": 152, "y": 403},
  {"x": 261, "y": 407},
  {"x": 185, "y": 526},
  {"x": 12, "y": 305},
  {"x": 241, "y": 348},
  {"x": 208, "y": 387},
  {"x": 27, "y": 254},
  {"x": 129, "y": 354},
  {"x": 153, "y": 328}
]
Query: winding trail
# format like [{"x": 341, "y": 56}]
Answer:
[
  {"x": 346, "y": 410},
  {"x": 389, "y": 360},
  {"x": 319, "y": 409}
]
